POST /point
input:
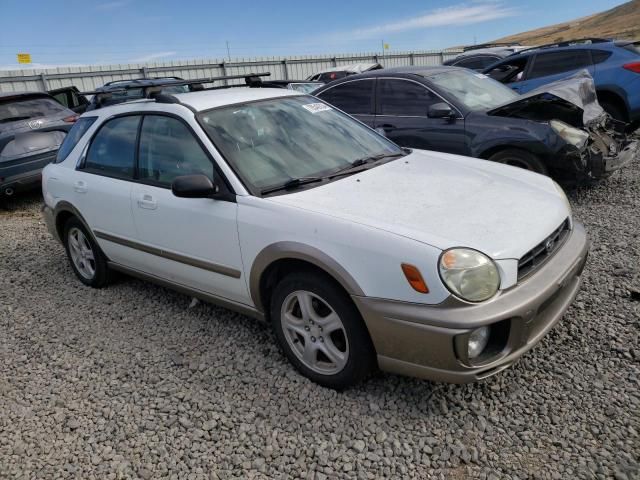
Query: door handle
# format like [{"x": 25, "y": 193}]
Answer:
[
  {"x": 80, "y": 187},
  {"x": 147, "y": 201},
  {"x": 387, "y": 126}
]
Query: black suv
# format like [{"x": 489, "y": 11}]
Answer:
[
  {"x": 32, "y": 127},
  {"x": 456, "y": 110}
]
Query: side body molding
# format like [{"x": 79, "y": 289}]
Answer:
[{"x": 297, "y": 251}]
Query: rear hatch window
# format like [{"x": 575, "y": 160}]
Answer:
[{"x": 21, "y": 109}]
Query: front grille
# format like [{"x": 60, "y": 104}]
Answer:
[{"x": 539, "y": 254}]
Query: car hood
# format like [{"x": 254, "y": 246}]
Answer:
[
  {"x": 572, "y": 100},
  {"x": 444, "y": 201}
]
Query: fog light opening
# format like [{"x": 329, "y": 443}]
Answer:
[{"x": 478, "y": 340}]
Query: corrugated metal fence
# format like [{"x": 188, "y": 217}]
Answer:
[{"x": 281, "y": 68}]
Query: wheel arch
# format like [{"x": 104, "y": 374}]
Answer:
[
  {"x": 280, "y": 258},
  {"x": 615, "y": 97},
  {"x": 62, "y": 212}
]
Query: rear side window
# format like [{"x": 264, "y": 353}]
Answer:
[
  {"x": 558, "y": 62},
  {"x": 476, "y": 63},
  {"x": 168, "y": 150},
  {"x": 599, "y": 56},
  {"x": 112, "y": 150},
  {"x": 401, "y": 97},
  {"x": 352, "y": 97},
  {"x": 17, "y": 110},
  {"x": 73, "y": 137},
  {"x": 509, "y": 71}
]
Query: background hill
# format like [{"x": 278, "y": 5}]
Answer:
[{"x": 622, "y": 22}]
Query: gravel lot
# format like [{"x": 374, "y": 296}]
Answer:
[{"x": 133, "y": 382}]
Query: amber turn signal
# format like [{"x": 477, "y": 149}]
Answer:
[{"x": 414, "y": 277}]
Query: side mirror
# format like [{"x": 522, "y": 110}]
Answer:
[
  {"x": 440, "y": 110},
  {"x": 194, "y": 186}
]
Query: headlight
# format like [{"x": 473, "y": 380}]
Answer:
[
  {"x": 563, "y": 196},
  {"x": 576, "y": 137},
  {"x": 469, "y": 274}
]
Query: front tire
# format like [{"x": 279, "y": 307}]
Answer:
[
  {"x": 321, "y": 331},
  {"x": 86, "y": 259},
  {"x": 521, "y": 159}
]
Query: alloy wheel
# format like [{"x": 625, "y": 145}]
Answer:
[
  {"x": 81, "y": 253},
  {"x": 314, "y": 332}
]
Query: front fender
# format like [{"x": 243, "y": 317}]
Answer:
[{"x": 298, "y": 251}]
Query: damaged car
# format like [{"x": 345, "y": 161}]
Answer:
[{"x": 558, "y": 130}]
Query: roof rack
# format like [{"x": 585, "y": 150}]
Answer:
[
  {"x": 490, "y": 45},
  {"x": 114, "y": 82},
  {"x": 149, "y": 91},
  {"x": 567, "y": 43}
]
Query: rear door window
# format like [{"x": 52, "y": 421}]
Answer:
[
  {"x": 599, "y": 56},
  {"x": 551, "y": 63},
  {"x": 112, "y": 150},
  {"x": 352, "y": 97},
  {"x": 404, "y": 98},
  {"x": 73, "y": 137}
]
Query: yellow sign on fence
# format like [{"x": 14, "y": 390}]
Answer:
[
  {"x": 24, "y": 58},
  {"x": 386, "y": 46}
]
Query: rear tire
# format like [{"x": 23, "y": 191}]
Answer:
[
  {"x": 321, "y": 331},
  {"x": 86, "y": 259},
  {"x": 520, "y": 159}
]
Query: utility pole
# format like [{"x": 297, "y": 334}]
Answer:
[{"x": 228, "y": 51}]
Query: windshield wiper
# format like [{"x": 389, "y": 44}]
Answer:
[
  {"x": 351, "y": 168},
  {"x": 292, "y": 183}
]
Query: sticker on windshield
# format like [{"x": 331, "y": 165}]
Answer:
[{"x": 317, "y": 107}]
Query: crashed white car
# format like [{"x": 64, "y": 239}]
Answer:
[{"x": 360, "y": 254}]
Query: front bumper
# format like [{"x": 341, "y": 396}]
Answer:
[{"x": 424, "y": 341}]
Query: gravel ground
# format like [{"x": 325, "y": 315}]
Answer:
[{"x": 133, "y": 382}]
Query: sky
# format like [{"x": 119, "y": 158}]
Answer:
[{"x": 90, "y": 32}]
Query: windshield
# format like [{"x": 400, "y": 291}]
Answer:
[
  {"x": 15, "y": 110},
  {"x": 474, "y": 90},
  {"x": 270, "y": 142}
]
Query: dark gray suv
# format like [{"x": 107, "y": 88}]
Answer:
[{"x": 32, "y": 127}]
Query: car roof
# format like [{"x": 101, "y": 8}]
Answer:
[
  {"x": 203, "y": 99},
  {"x": 352, "y": 67},
  {"x": 420, "y": 71},
  {"x": 595, "y": 43},
  {"x": 206, "y": 99},
  {"x": 494, "y": 50},
  {"x": 23, "y": 94}
]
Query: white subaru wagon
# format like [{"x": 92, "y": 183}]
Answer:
[{"x": 360, "y": 254}]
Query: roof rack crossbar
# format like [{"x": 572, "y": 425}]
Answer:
[
  {"x": 565, "y": 43},
  {"x": 249, "y": 78}
]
